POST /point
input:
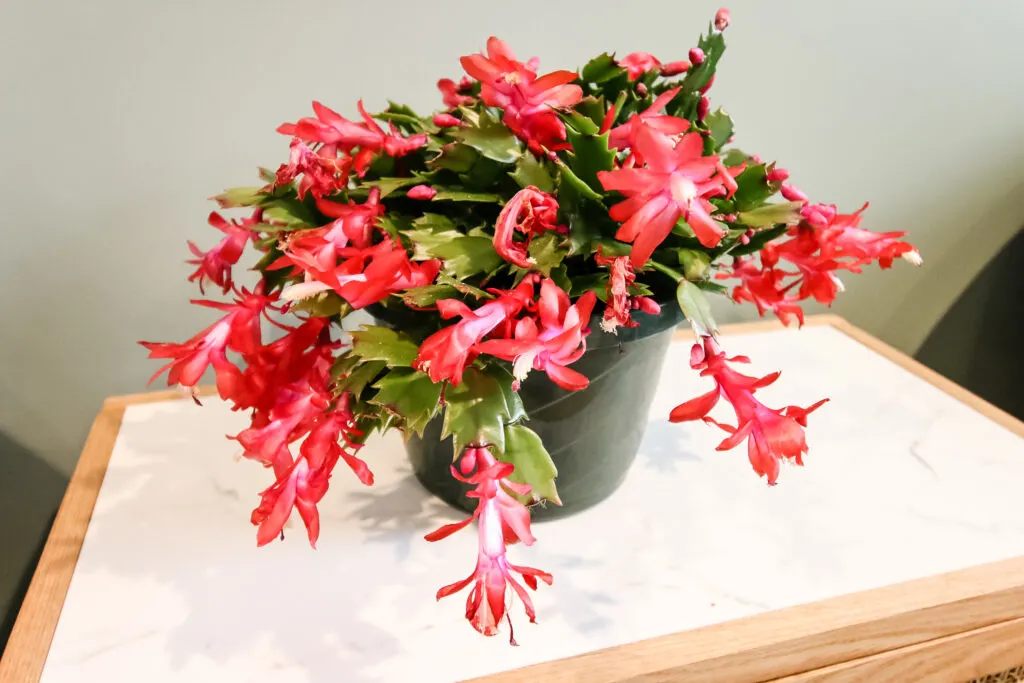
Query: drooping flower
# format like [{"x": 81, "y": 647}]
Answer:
[
  {"x": 331, "y": 128},
  {"x": 553, "y": 340},
  {"x": 530, "y": 212},
  {"x": 624, "y": 136},
  {"x": 445, "y": 354},
  {"x": 528, "y": 101},
  {"x": 215, "y": 265},
  {"x": 619, "y": 302},
  {"x": 238, "y": 330},
  {"x": 637, "y": 64},
  {"x": 501, "y": 519},
  {"x": 356, "y": 221},
  {"x": 772, "y": 435},
  {"x": 674, "y": 183}
]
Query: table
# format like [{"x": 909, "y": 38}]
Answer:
[{"x": 896, "y": 554}]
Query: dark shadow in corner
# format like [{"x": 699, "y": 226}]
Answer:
[
  {"x": 978, "y": 342},
  {"x": 30, "y": 492}
]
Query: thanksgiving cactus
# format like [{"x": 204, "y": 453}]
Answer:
[{"x": 500, "y": 225}]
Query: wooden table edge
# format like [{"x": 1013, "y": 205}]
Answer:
[{"x": 972, "y": 599}]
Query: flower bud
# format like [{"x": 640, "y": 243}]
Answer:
[
  {"x": 744, "y": 238},
  {"x": 446, "y": 120},
  {"x": 696, "y": 56},
  {"x": 421, "y": 192},
  {"x": 707, "y": 87},
  {"x": 702, "y": 108},
  {"x": 777, "y": 174},
  {"x": 674, "y": 68},
  {"x": 793, "y": 194},
  {"x": 722, "y": 18},
  {"x": 641, "y": 90}
]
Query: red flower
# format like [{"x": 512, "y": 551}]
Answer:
[
  {"x": 322, "y": 171},
  {"x": 674, "y": 184},
  {"x": 445, "y": 354},
  {"x": 558, "y": 341},
  {"x": 772, "y": 435},
  {"x": 501, "y": 520},
  {"x": 530, "y": 212},
  {"x": 619, "y": 302},
  {"x": 215, "y": 265},
  {"x": 356, "y": 221},
  {"x": 239, "y": 331},
  {"x": 528, "y": 101},
  {"x": 637, "y": 64},
  {"x": 452, "y": 93},
  {"x": 331, "y": 128}
]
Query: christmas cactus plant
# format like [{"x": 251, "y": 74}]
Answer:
[{"x": 486, "y": 238}]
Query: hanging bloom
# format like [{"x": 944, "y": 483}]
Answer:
[
  {"x": 215, "y": 265},
  {"x": 637, "y": 64},
  {"x": 674, "y": 183},
  {"x": 765, "y": 288},
  {"x": 772, "y": 435},
  {"x": 331, "y": 128},
  {"x": 445, "y": 354},
  {"x": 501, "y": 519},
  {"x": 528, "y": 101},
  {"x": 238, "y": 331},
  {"x": 529, "y": 212},
  {"x": 619, "y": 303},
  {"x": 356, "y": 221},
  {"x": 558, "y": 341},
  {"x": 452, "y": 92}
]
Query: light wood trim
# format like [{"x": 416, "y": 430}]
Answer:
[
  {"x": 155, "y": 397},
  {"x": 805, "y": 637},
  {"x": 30, "y": 639},
  {"x": 953, "y": 659}
]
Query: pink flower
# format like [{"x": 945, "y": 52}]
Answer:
[
  {"x": 619, "y": 302},
  {"x": 356, "y": 221},
  {"x": 793, "y": 194},
  {"x": 722, "y": 18},
  {"x": 637, "y": 64},
  {"x": 501, "y": 519},
  {"x": 558, "y": 341},
  {"x": 675, "y": 183},
  {"x": 238, "y": 330},
  {"x": 451, "y": 93},
  {"x": 446, "y": 121},
  {"x": 529, "y": 212},
  {"x": 772, "y": 435},
  {"x": 625, "y": 135},
  {"x": 331, "y": 128},
  {"x": 528, "y": 101},
  {"x": 215, "y": 265},
  {"x": 425, "y": 192},
  {"x": 445, "y": 354}
]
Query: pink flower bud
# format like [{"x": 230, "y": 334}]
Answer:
[
  {"x": 696, "y": 56},
  {"x": 755, "y": 159},
  {"x": 674, "y": 68},
  {"x": 708, "y": 86},
  {"x": 421, "y": 192},
  {"x": 641, "y": 90},
  {"x": 777, "y": 174},
  {"x": 446, "y": 120},
  {"x": 465, "y": 83},
  {"x": 793, "y": 194},
  {"x": 744, "y": 238},
  {"x": 722, "y": 18},
  {"x": 702, "y": 108},
  {"x": 647, "y": 305},
  {"x": 729, "y": 218},
  {"x": 814, "y": 216}
]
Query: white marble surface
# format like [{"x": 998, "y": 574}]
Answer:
[{"x": 902, "y": 481}]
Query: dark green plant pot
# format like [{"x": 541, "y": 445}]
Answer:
[{"x": 592, "y": 435}]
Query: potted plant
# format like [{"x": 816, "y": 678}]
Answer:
[{"x": 526, "y": 253}]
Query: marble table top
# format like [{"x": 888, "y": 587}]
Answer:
[{"x": 902, "y": 481}]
